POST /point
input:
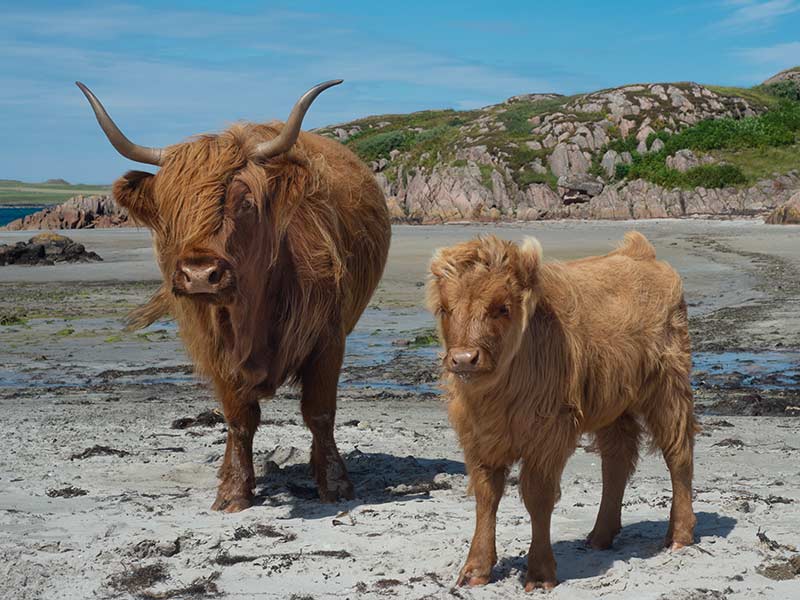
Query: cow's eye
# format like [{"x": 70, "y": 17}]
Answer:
[
  {"x": 501, "y": 310},
  {"x": 443, "y": 311}
]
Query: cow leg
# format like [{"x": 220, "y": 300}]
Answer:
[
  {"x": 619, "y": 448},
  {"x": 540, "y": 488},
  {"x": 488, "y": 484},
  {"x": 235, "y": 492},
  {"x": 320, "y": 377},
  {"x": 671, "y": 422}
]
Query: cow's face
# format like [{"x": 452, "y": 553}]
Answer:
[
  {"x": 209, "y": 198},
  {"x": 481, "y": 294},
  {"x": 204, "y": 223}
]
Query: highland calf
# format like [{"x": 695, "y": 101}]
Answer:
[
  {"x": 270, "y": 241},
  {"x": 538, "y": 354}
]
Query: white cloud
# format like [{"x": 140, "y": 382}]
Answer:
[
  {"x": 750, "y": 14},
  {"x": 772, "y": 59}
]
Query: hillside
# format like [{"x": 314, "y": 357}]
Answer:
[
  {"x": 637, "y": 151},
  {"x": 53, "y": 191}
]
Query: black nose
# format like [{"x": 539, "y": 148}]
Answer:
[
  {"x": 464, "y": 359},
  {"x": 201, "y": 275}
]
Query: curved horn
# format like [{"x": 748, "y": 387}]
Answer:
[
  {"x": 288, "y": 135},
  {"x": 142, "y": 154}
]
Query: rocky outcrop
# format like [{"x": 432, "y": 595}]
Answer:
[
  {"x": 786, "y": 214},
  {"x": 792, "y": 74},
  {"x": 684, "y": 160},
  {"x": 465, "y": 193},
  {"x": 80, "y": 212},
  {"x": 45, "y": 249}
]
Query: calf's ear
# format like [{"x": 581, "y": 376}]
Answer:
[
  {"x": 530, "y": 257},
  {"x": 135, "y": 191}
]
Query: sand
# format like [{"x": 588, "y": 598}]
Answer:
[{"x": 100, "y": 497}]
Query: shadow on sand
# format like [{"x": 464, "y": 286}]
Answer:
[
  {"x": 377, "y": 478},
  {"x": 638, "y": 540}
]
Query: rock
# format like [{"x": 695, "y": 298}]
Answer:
[
  {"x": 79, "y": 212},
  {"x": 657, "y": 145},
  {"x": 682, "y": 161},
  {"x": 610, "y": 161},
  {"x": 575, "y": 190},
  {"x": 787, "y": 213},
  {"x": 567, "y": 159},
  {"x": 792, "y": 74},
  {"x": 45, "y": 249},
  {"x": 532, "y": 98}
]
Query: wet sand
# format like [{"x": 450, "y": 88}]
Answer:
[{"x": 137, "y": 523}]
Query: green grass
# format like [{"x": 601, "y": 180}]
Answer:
[
  {"x": 754, "y": 95},
  {"x": 425, "y": 339},
  {"x": 7, "y": 320},
  {"x": 760, "y": 163},
  {"x": 516, "y": 116},
  {"x": 486, "y": 176},
  {"x": 19, "y": 193}
]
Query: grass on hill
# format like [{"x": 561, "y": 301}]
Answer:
[
  {"x": 17, "y": 193},
  {"x": 751, "y": 148},
  {"x": 755, "y": 95},
  {"x": 761, "y": 163}
]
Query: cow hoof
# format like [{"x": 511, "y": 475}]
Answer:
[
  {"x": 341, "y": 490},
  {"x": 231, "y": 505}
]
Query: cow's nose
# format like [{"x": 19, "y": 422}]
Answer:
[
  {"x": 464, "y": 359},
  {"x": 206, "y": 275}
]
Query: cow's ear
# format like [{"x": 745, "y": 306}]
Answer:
[
  {"x": 530, "y": 257},
  {"x": 135, "y": 191}
]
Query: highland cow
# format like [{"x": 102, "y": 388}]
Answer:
[
  {"x": 537, "y": 355},
  {"x": 271, "y": 242}
]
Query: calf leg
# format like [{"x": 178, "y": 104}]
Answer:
[
  {"x": 673, "y": 426},
  {"x": 320, "y": 377},
  {"x": 619, "y": 448},
  {"x": 235, "y": 492},
  {"x": 488, "y": 484},
  {"x": 540, "y": 488}
]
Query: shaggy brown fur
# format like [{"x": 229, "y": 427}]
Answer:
[
  {"x": 306, "y": 236},
  {"x": 538, "y": 354}
]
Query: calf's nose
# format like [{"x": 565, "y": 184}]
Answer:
[
  {"x": 207, "y": 275},
  {"x": 463, "y": 359}
]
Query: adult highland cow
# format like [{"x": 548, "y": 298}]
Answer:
[
  {"x": 271, "y": 242},
  {"x": 538, "y": 354}
]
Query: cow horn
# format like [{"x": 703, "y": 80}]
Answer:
[
  {"x": 142, "y": 154},
  {"x": 288, "y": 135}
]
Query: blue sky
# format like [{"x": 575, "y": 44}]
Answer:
[{"x": 168, "y": 70}]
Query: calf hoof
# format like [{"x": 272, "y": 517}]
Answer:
[
  {"x": 677, "y": 542},
  {"x": 540, "y": 579},
  {"x": 540, "y": 584},
  {"x": 232, "y": 505},
  {"x": 473, "y": 574},
  {"x": 601, "y": 540}
]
